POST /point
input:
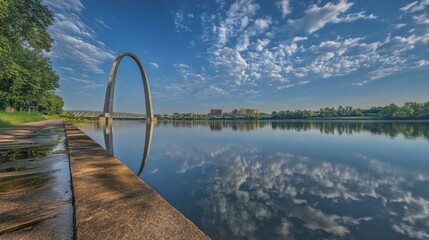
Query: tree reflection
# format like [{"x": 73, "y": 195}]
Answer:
[{"x": 387, "y": 128}]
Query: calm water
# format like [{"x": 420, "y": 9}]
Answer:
[{"x": 284, "y": 180}]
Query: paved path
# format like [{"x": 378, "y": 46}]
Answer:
[
  {"x": 35, "y": 195},
  {"x": 111, "y": 202}
]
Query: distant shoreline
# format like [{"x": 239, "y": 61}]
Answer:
[
  {"x": 303, "y": 119},
  {"x": 290, "y": 120}
]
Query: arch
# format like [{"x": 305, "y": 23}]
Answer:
[{"x": 110, "y": 91}]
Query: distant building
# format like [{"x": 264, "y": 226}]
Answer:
[{"x": 216, "y": 112}]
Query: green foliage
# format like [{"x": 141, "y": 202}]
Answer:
[
  {"x": 25, "y": 22},
  {"x": 10, "y": 119},
  {"x": 73, "y": 119},
  {"x": 288, "y": 114},
  {"x": 410, "y": 110},
  {"x": 51, "y": 104},
  {"x": 26, "y": 75}
]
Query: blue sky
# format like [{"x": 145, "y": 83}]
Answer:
[{"x": 272, "y": 55}]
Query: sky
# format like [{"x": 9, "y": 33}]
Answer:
[{"x": 267, "y": 54}]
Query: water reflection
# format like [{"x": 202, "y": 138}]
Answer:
[
  {"x": 108, "y": 141},
  {"x": 108, "y": 137},
  {"x": 148, "y": 141},
  {"x": 336, "y": 183},
  {"x": 410, "y": 129},
  {"x": 256, "y": 195}
]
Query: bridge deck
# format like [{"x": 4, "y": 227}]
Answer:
[{"x": 95, "y": 114}]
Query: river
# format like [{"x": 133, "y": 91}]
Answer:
[{"x": 284, "y": 179}]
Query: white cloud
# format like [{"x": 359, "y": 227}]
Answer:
[
  {"x": 317, "y": 17},
  {"x": 248, "y": 50},
  {"x": 74, "y": 40},
  {"x": 179, "y": 21},
  {"x": 67, "y": 69},
  {"x": 261, "y": 44},
  {"x": 421, "y": 19},
  {"x": 299, "y": 39},
  {"x": 194, "y": 82},
  {"x": 354, "y": 16},
  {"x": 231, "y": 61},
  {"x": 286, "y": 50},
  {"x": 88, "y": 84},
  {"x": 174, "y": 89},
  {"x": 67, "y": 5},
  {"x": 221, "y": 3},
  {"x": 400, "y": 25},
  {"x": 396, "y": 64},
  {"x": 284, "y": 7},
  {"x": 189, "y": 75},
  {"x": 342, "y": 57},
  {"x": 102, "y": 24},
  {"x": 243, "y": 43},
  {"x": 233, "y": 23},
  {"x": 215, "y": 90},
  {"x": 154, "y": 65},
  {"x": 262, "y": 24},
  {"x": 410, "y": 231},
  {"x": 208, "y": 27},
  {"x": 415, "y": 6}
]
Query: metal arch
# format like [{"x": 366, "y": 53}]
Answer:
[{"x": 110, "y": 91}]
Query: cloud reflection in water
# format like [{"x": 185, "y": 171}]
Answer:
[
  {"x": 283, "y": 195},
  {"x": 289, "y": 180}
]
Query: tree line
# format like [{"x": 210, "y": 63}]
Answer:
[
  {"x": 410, "y": 110},
  {"x": 27, "y": 80}
]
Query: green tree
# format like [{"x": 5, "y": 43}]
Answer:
[
  {"x": 26, "y": 75},
  {"x": 25, "y": 23},
  {"x": 340, "y": 111},
  {"x": 51, "y": 104}
]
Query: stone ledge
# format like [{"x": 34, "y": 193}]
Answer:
[{"x": 111, "y": 202}]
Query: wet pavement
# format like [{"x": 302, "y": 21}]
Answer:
[{"x": 35, "y": 192}]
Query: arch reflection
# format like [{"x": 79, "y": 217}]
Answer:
[{"x": 108, "y": 142}]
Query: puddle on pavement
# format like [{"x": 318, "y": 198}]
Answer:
[
  {"x": 34, "y": 175},
  {"x": 24, "y": 153},
  {"x": 14, "y": 169}
]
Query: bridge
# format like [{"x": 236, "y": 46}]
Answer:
[{"x": 96, "y": 114}]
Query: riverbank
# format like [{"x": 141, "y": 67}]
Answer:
[
  {"x": 16, "y": 118},
  {"x": 109, "y": 200},
  {"x": 370, "y": 118}
]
